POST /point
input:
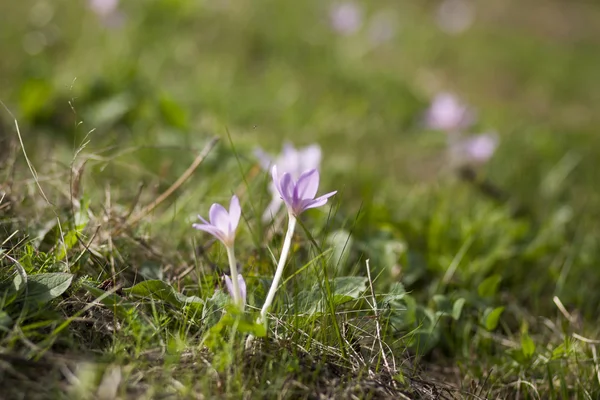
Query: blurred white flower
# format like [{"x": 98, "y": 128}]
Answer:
[
  {"x": 455, "y": 16},
  {"x": 448, "y": 114},
  {"x": 474, "y": 150},
  {"x": 346, "y": 18}
]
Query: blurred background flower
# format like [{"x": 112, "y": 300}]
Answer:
[
  {"x": 346, "y": 18},
  {"x": 447, "y": 113},
  {"x": 108, "y": 12},
  {"x": 455, "y": 16}
]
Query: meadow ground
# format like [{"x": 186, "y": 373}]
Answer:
[{"x": 426, "y": 276}]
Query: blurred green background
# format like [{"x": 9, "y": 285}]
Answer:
[
  {"x": 165, "y": 72},
  {"x": 148, "y": 82}
]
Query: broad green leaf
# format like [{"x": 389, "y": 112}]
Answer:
[
  {"x": 427, "y": 333},
  {"x": 5, "y": 320},
  {"x": 71, "y": 237},
  {"x": 160, "y": 290},
  {"x": 385, "y": 252},
  {"x": 117, "y": 304},
  {"x": 45, "y": 287},
  {"x": 70, "y": 240},
  {"x": 344, "y": 289},
  {"x": 173, "y": 113},
  {"x": 491, "y": 317},
  {"x": 213, "y": 309},
  {"x": 111, "y": 110},
  {"x": 34, "y": 97},
  {"x": 9, "y": 291},
  {"x": 457, "y": 308},
  {"x": 341, "y": 243},
  {"x": 151, "y": 270},
  {"x": 395, "y": 293},
  {"x": 527, "y": 345},
  {"x": 348, "y": 288},
  {"x": 442, "y": 304},
  {"x": 489, "y": 286}
]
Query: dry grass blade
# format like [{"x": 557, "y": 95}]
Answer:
[{"x": 180, "y": 181}]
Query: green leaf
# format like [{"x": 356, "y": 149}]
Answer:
[
  {"x": 117, "y": 304},
  {"x": 5, "y": 320},
  {"x": 491, "y": 317},
  {"x": 395, "y": 293},
  {"x": 111, "y": 110},
  {"x": 344, "y": 289},
  {"x": 489, "y": 286},
  {"x": 42, "y": 288},
  {"x": 34, "y": 96},
  {"x": 160, "y": 290},
  {"x": 173, "y": 113},
  {"x": 213, "y": 309},
  {"x": 527, "y": 345},
  {"x": 348, "y": 288},
  {"x": 341, "y": 242},
  {"x": 9, "y": 291},
  {"x": 443, "y": 305},
  {"x": 457, "y": 308}
]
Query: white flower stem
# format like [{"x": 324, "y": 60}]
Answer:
[
  {"x": 279, "y": 271},
  {"x": 237, "y": 297}
]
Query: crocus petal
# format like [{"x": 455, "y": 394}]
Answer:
[
  {"x": 287, "y": 188},
  {"x": 276, "y": 180},
  {"x": 203, "y": 220},
  {"x": 288, "y": 150},
  {"x": 307, "y": 185},
  {"x": 235, "y": 211},
  {"x": 229, "y": 284},
  {"x": 219, "y": 217},
  {"x": 319, "y": 201},
  {"x": 216, "y": 232},
  {"x": 242, "y": 286},
  {"x": 310, "y": 157}
]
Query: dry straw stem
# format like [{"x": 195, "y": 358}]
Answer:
[{"x": 180, "y": 181}]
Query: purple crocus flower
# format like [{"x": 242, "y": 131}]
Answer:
[
  {"x": 241, "y": 285},
  {"x": 291, "y": 160},
  {"x": 448, "y": 114},
  {"x": 108, "y": 12},
  {"x": 300, "y": 196},
  {"x": 222, "y": 224},
  {"x": 474, "y": 150},
  {"x": 455, "y": 16},
  {"x": 346, "y": 18}
]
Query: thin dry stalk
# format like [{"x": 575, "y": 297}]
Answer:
[
  {"x": 377, "y": 325},
  {"x": 180, "y": 181}
]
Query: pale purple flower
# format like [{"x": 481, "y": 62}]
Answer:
[
  {"x": 108, "y": 12},
  {"x": 241, "y": 285},
  {"x": 455, "y": 16},
  {"x": 103, "y": 8},
  {"x": 345, "y": 18},
  {"x": 291, "y": 160},
  {"x": 222, "y": 224},
  {"x": 447, "y": 113},
  {"x": 299, "y": 195},
  {"x": 475, "y": 150}
]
